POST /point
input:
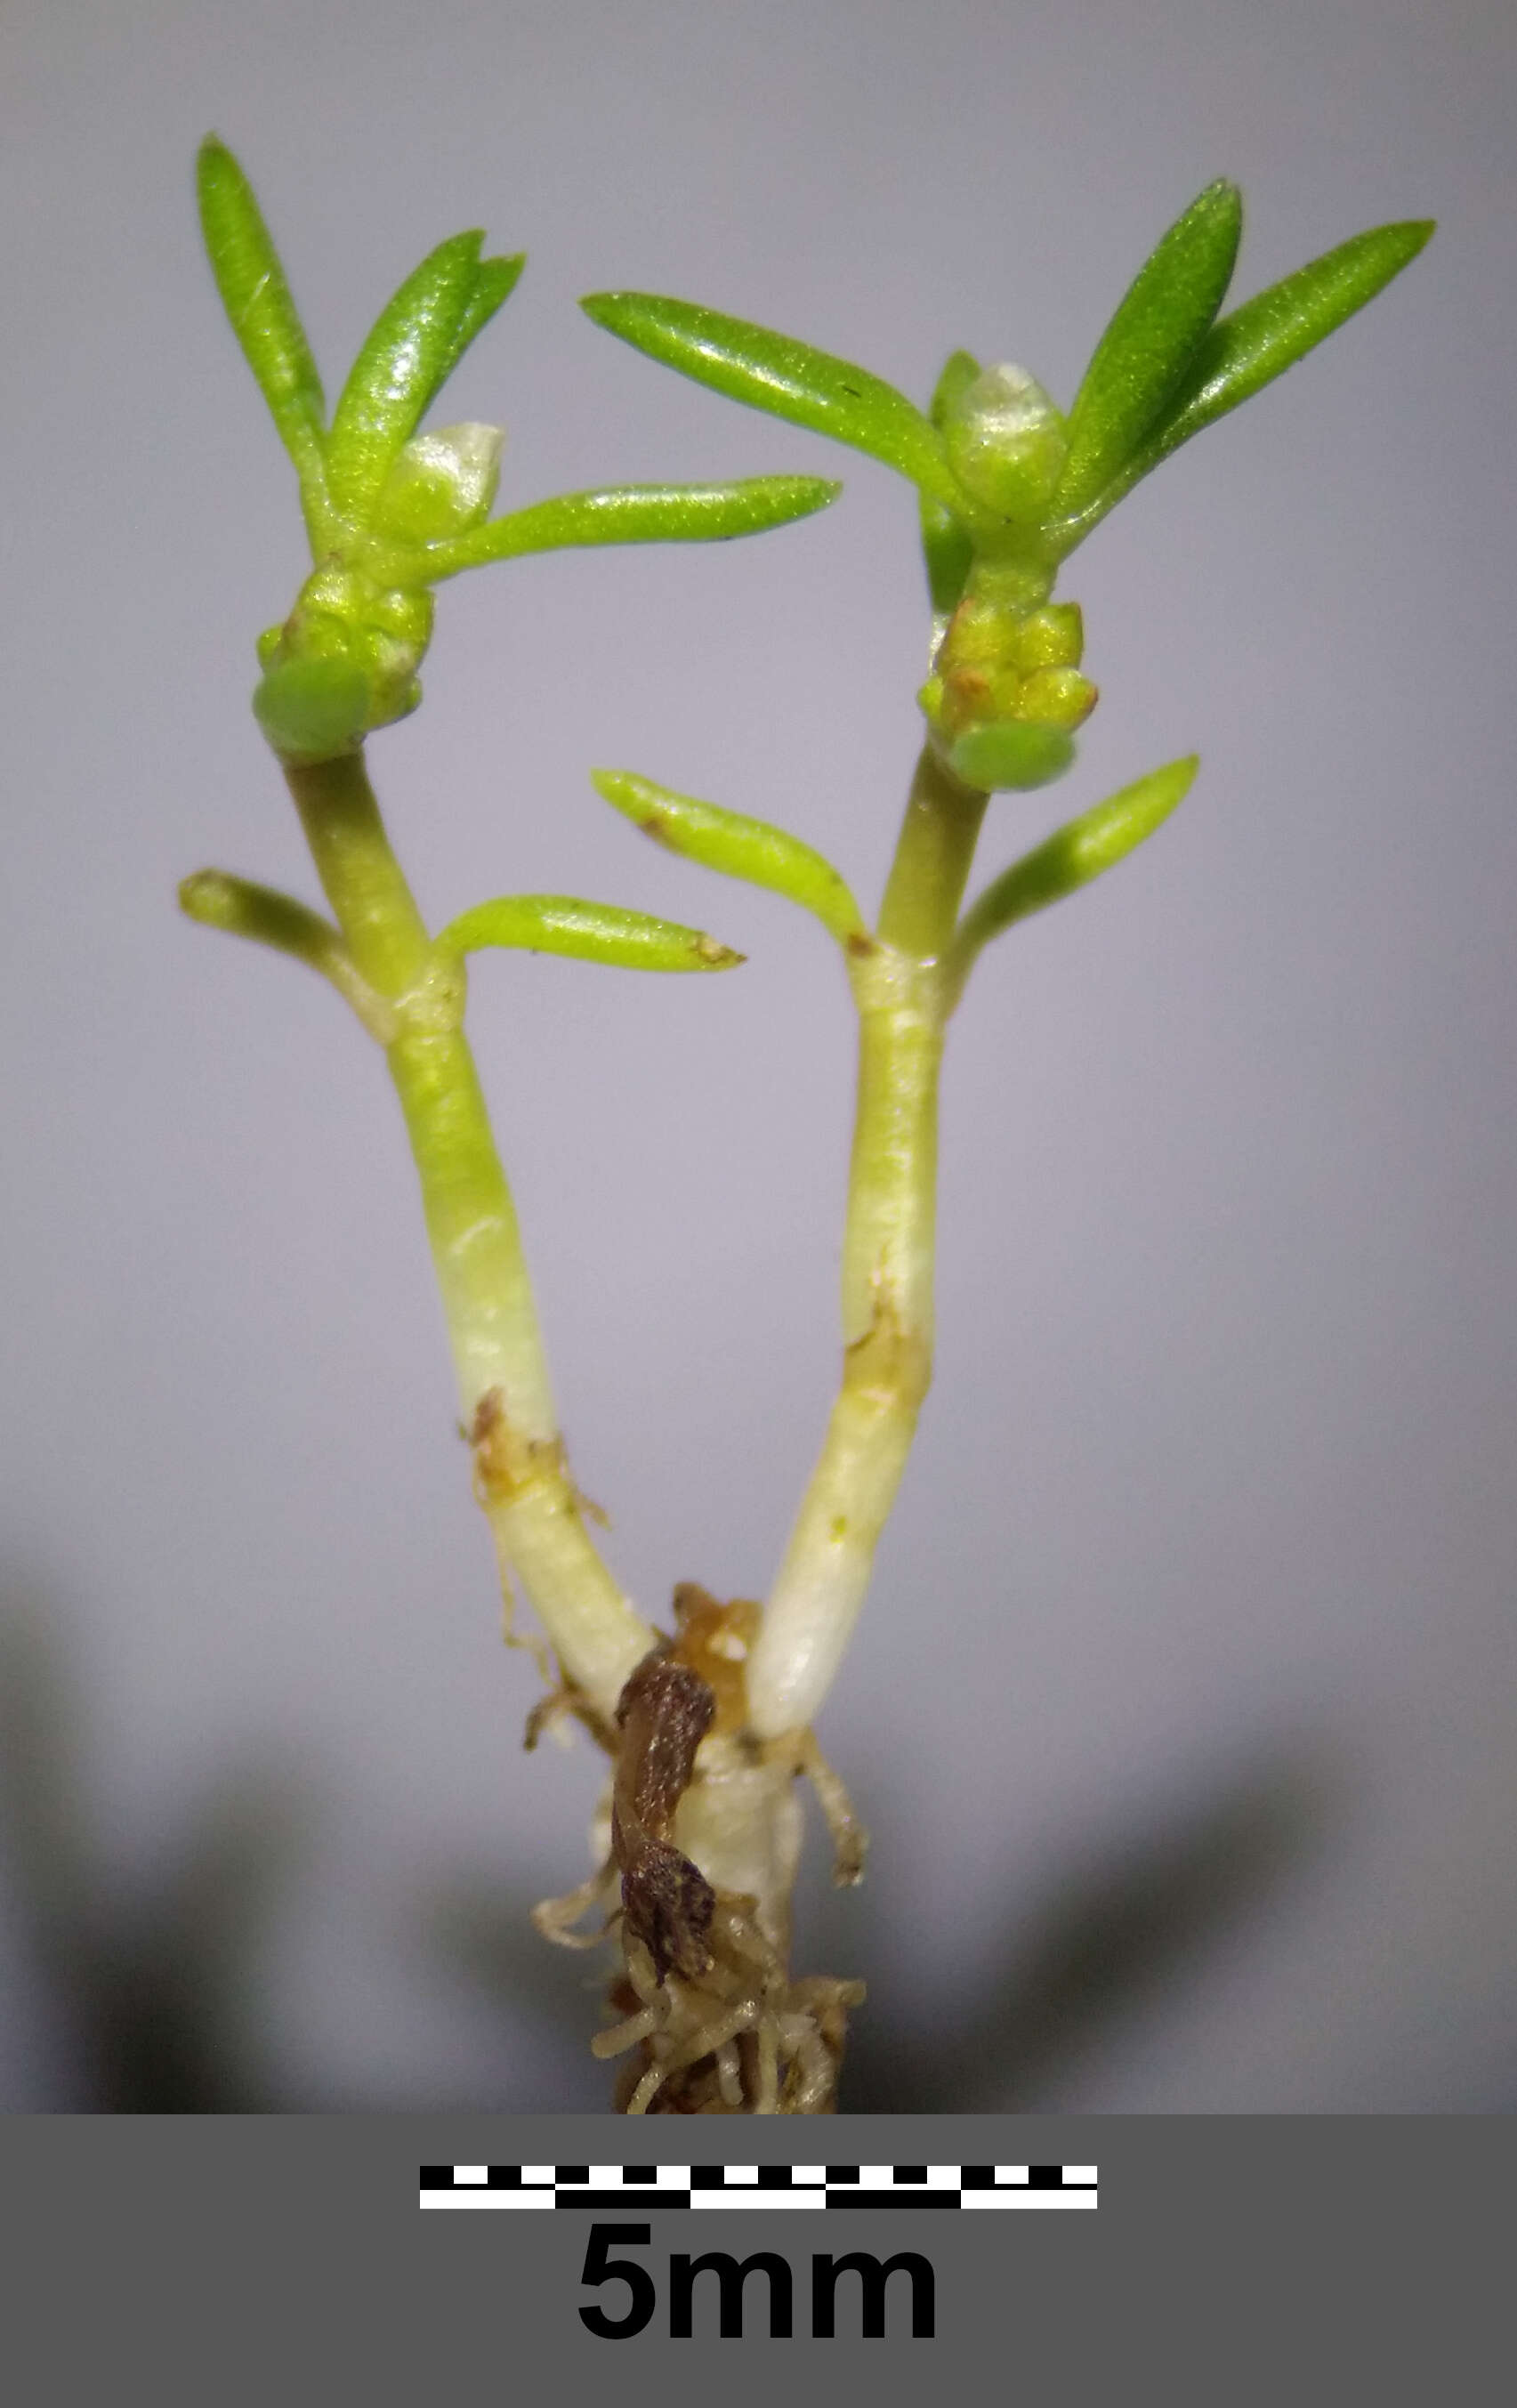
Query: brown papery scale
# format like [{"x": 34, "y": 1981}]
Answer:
[
  {"x": 709, "y": 2020},
  {"x": 663, "y": 1713}
]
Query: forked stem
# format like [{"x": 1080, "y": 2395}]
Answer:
[
  {"x": 505, "y": 1396},
  {"x": 887, "y": 1256}
]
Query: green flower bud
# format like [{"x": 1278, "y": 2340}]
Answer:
[
  {"x": 1052, "y": 638},
  {"x": 441, "y": 485},
  {"x": 980, "y": 636},
  {"x": 1005, "y": 694},
  {"x": 1006, "y": 442},
  {"x": 1055, "y": 698}
]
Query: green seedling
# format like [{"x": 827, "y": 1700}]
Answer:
[{"x": 709, "y": 1731}]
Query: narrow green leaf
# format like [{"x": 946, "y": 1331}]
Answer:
[
  {"x": 494, "y": 282},
  {"x": 257, "y": 301},
  {"x": 1073, "y": 855},
  {"x": 786, "y": 378},
  {"x": 738, "y": 847},
  {"x": 1262, "y": 339},
  {"x": 591, "y": 932},
  {"x": 216, "y": 899},
  {"x": 399, "y": 367},
  {"x": 1145, "y": 350},
  {"x": 1270, "y": 332},
  {"x": 636, "y": 514},
  {"x": 947, "y": 545}
]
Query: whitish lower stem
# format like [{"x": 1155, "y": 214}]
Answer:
[
  {"x": 888, "y": 1254},
  {"x": 505, "y": 1396}
]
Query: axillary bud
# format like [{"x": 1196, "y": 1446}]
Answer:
[
  {"x": 344, "y": 663},
  {"x": 1006, "y": 694}
]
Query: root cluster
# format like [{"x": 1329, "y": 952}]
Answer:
[
  {"x": 742, "y": 2039},
  {"x": 709, "y": 2020}
]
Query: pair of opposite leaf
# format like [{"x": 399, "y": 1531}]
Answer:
[
  {"x": 1006, "y": 485},
  {"x": 1007, "y": 488}
]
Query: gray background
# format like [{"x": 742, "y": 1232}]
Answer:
[
  {"x": 1372, "y": 2250},
  {"x": 1183, "y": 1708}
]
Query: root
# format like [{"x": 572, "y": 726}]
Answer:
[
  {"x": 743, "y": 2039},
  {"x": 850, "y": 1839},
  {"x": 555, "y": 1917},
  {"x": 704, "y": 1831}
]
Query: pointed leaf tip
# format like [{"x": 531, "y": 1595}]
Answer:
[
  {"x": 636, "y": 514},
  {"x": 1140, "y": 360},
  {"x": 1260, "y": 340},
  {"x": 410, "y": 348},
  {"x": 494, "y": 282}
]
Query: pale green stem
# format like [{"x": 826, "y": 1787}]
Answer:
[
  {"x": 506, "y": 1399},
  {"x": 888, "y": 1252},
  {"x": 934, "y": 855}
]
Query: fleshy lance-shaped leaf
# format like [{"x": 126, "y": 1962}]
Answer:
[
  {"x": 257, "y": 301},
  {"x": 786, "y": 378},
  {"x": 946, "y": 545},
  {"x": 402, "y": 362},
  {"x": 738, "y": 847},
  {"x": 591, "y": 932},
  {"x": 1266, "y": 336},
  {"x": 1073, "y": 855},
  {"x": 494, "y": 282},
  {"x": 1145, "y": 350},
  {"x": 636, "y": 514},
  {"x": 265, "y": 916}
]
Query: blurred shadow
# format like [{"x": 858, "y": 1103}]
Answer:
[
  {"x": 148, "y": 1991},
  {"x": 151, "y": 1989},
  {"x": 483, "y": 1930},
  {"x": 1103, "y": 1943}
]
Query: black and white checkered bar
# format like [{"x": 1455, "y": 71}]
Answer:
[{"x": 602, "y": 2188}]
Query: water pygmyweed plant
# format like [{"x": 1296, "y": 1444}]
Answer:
[{"x": 709, "y": 1726}]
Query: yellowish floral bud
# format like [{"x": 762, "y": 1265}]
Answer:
[
  {"x": 1052, "y": 638},
  {"x": 1056, "y": 699}
]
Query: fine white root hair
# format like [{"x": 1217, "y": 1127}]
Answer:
[{"x": 555, "y": 1917}]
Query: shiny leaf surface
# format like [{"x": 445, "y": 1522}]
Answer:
[
  {"x": 787, "y": 377},
  {"x": 738, "y": 847}
]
